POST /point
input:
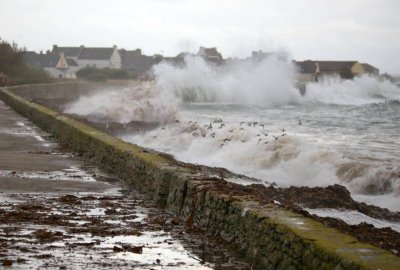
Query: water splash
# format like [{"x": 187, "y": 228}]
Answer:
[
  {"x": 359, "y": 91},
  {"x": 141, "y": 101},
  {"x": 267, "y": 82}
]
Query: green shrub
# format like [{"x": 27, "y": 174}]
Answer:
[{"x": 97, "y": 74}]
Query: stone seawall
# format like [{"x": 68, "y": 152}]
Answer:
[{"x": 270, "y": 236}]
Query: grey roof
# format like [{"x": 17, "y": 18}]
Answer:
[
  {"x": 41, "y": 60},
  {"x": 125, "y": 53},
  {"x": 68, "y": 51},
  {"x": 329, "y": 66},
  {"x": 307, "y": 66},
  {"x": 369, "y": 68},
  {"x": 135, "y": 61},
  {"x": 96, "y": 53},
  {"x": 174, "y": 61},
  {"x": 71, "y": 62}
]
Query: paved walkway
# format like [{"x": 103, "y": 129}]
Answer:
[
  {"x": 29, "y": 162},
  {"x": 57, "y": 212}
]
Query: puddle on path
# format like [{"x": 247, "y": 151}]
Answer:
[{"x": 72, "y": 173}]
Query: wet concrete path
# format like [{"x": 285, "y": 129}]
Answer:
[{"x": 58, "y": 212}]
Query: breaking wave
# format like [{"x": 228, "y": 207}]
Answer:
[
  {"x": 267, "y": 82},
  {"x": 359, "y": 91},
  {"x": 250, "y": 143},
  {"x": 272, "y": 156},
  {"x": 141, "y": 101}
]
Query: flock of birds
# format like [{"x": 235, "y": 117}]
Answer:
[{"x": 213, "y": 128}]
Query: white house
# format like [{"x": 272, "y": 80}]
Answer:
[{"x": 99, "y": 58}]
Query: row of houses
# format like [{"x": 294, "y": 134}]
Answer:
[
  {"x": 64, "y": 62},
  {"x": 313, "y": 70}
]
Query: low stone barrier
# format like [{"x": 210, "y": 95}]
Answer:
[{"x": 269, "y": 236}]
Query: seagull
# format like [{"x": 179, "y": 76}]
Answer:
[
  {"x": 276, "y": 137},
  {"x": 299, "y": 122},
  {"x": 227, "y": 139},
  {"x": 212, "y": 134},
  {"x": 259, "y": 140},
  {"x": 222, "y": 125},
  {"x": 283, "y": 129},
  {"x": 210, "y": 126}
]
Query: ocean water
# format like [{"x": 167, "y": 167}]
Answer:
[{"x": 250, "y": 119}]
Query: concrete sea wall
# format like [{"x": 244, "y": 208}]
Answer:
[{"x": 269, "y": 236}]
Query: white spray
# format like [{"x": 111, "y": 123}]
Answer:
[
  {"x": 245, "y": 142},
  {"x": 269, "y": 81}
]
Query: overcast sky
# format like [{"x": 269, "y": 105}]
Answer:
[{"x": 363, "y": 30}]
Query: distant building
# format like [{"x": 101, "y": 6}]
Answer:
[
  {"x": 311, "y": 70},
  {"x": 178, "y": 60},
  {"x": 346, "y": 69},
  {"x": 260, "y": 55},
  {"x": 136, "y": 62},
  {"x": 57, "y": 66},
  {"x": 307, "y": 71},
  {"x": 210, "y": 55},
  {"x": 370, "y": 69},
  {"x": 99, "y": 58},
  {"x": 69, "y": 52},
  {"x": 395, "y": 79}
]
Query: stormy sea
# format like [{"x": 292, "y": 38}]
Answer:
[{"x": 252, "y": 120}]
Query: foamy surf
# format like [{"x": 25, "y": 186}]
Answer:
[
  {"x": 251, "y": 120},
  {"x": 359, "y": 91}
]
